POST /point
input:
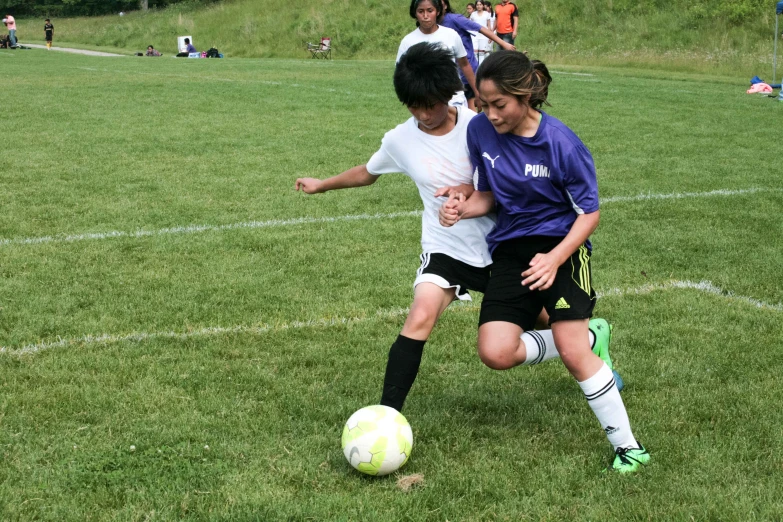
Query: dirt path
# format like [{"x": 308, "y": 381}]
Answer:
[{"x": 69, "y": 50}]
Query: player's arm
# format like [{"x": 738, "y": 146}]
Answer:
[
  {"x": 543, "y": 267},
  {"x": 458, "y": 207},
  {"x": 357, "y": 176},
  {"x": 495, "y": 38},
  {"x": 516, "y": 24}
]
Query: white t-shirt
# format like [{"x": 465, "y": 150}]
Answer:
[
  {"x": 481, "y": 42},
  {"x": 482, "y": 18},
  {"x": 449, "y": 39},
  {"x": 433, "y": 162}
]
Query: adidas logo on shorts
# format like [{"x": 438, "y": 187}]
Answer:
[{"x": 561, "y": 304}]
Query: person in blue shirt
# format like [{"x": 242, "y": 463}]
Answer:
[
  {"x": 189, "y": 48},
  {"x": 539, "y": 178},
  {"x": 464, "y": 28}
]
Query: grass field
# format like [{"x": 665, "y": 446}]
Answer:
[{"x": 163, "y": 287}]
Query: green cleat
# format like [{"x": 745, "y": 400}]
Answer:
[
  {"x": 629, "y": 460},
  {"x": 603, "y": 336}
]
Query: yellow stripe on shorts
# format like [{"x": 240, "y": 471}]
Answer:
[{"x": 584, "y": 270}]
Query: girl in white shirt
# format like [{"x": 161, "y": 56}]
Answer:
[
  {"x": 482, "y": 17},
  {"x": 430, "y": 148},
  {"x": 427, "y": 13}
]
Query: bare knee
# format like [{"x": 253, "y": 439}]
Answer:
[
  {"x": 498, "y": 356},
  {"x": 499, "y": 345},
  {"x": 420, "y": 321}
]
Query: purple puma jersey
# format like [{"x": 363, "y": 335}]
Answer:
[{"x": 541, "y": 184}]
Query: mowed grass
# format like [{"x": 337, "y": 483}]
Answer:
[{"x": 230, "y": 357}]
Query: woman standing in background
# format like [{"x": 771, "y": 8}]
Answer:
[{"x": 482, "y": 44}]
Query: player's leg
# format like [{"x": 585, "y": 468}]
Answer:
[
  {"x": 405, "y": 355},
  {"x": 470, "y": 96},
  {"x": 439, "y": 280},
  {"x": 508, "y": 314},
  {"x": 597, "y": 382},
  {"x": 570, "y": 302}
]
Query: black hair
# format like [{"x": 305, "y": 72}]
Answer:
[
  {"x": 426, "y": 75},
  {"x": 150, "y": 47},
  {"x": 437, "y": 4},
  {"x": 187, "y": 40},
  {"x": 446, "y": 7},
  {"x": 47, "y": 20},
  {"x": 514, "y": 74}
]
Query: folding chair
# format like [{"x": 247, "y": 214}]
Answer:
[{"x": 321, "y": 50}]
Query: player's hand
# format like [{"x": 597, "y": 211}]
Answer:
[
  {"x": 509, "y": 46},
  {"x": 308, "y": 185},
  {"x": 451, "y": 191},
  {"x": 542, "y": 272},
  {"x": 450, "y": 212},
  {"x": 478, "y": 103}
]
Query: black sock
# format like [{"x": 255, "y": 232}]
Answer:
[{"x": 401, "y": 370}]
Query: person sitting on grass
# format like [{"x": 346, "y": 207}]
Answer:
[
  {"x": 189, "y": 48},
  {"x": 151, "y": 51}
]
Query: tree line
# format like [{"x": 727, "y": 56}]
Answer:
[{"x": 59, "y": 8}]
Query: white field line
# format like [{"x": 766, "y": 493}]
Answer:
[
  {"x": 574, "y": 73},
  {"x": 682, "y": 195},
  {"x": 262, "y": 328},
  {"x": 192, "y": 229}
]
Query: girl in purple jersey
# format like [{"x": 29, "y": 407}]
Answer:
[
  {"x": 540, "y": 179},
  {"x": 465, "y": 27}
]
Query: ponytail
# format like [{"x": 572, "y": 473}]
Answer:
[{"x": 515, "y": 74}]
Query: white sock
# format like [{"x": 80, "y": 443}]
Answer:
[
  {"x": 539, "y": 346},
  {"x": 603, "y": 397}
]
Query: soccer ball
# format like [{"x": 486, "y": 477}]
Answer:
[{"x": 377, "y": 440}]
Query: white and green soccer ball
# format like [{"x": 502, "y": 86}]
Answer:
[{"x": 377, "y": 440}]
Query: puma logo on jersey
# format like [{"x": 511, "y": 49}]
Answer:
[
  {"x": 490, "y": 158},
  {"x": 536, "y": 171},
  {"x": 561, "y": 304}
]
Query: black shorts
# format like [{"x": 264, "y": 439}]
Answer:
[
  {"x": 469, "y": 94},
  {"x": 570, "y": 297},
  {"x": 447, "y": 272}
]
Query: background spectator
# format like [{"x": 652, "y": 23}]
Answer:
[
  {"x": 189, "y": 48},
  {"x": 482, "y": 44},
  {"x": 10, "y": 23},
  {"x": 464, "y": 28},
  {"x": 507, "y": 21},
  {"x": 49, "y": 33}
]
